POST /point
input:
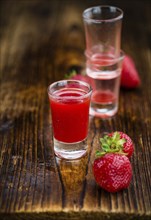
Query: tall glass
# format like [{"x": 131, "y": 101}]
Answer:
[
  {"x": 69, "y": 103},
  {"x": 104, "y": 57}
]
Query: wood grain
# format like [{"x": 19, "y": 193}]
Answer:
[{"x": 39, "y": 43}]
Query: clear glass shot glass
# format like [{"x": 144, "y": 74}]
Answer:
[
  {"x": 103, "y": 57},
  {"x": 105, "y": 81},
  {"x": 69, "y": 104},
  {"x": 103, "y": 26}
]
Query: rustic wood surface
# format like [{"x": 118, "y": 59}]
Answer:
[{"x": 41, "y": 41}]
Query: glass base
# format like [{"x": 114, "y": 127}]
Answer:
[
  {"x": 103, "y": 112},
  {"x": 70, "y": 151}
]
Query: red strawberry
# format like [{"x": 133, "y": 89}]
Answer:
[
  {"x": 80, "y": 77},
  {"x": 113, "y": 172},
  {"x": 129, "y": 77},
  {"x": 76, "y": 76},
  {"x": 123, "y": 141}
]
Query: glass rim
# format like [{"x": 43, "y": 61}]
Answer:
[
  {"x": 64, "y": 83},
  {"x": 87, "y": 18},
  {"x": 116, "y": 59}
]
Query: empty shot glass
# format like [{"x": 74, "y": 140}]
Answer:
[
  {"x": 103, "y": 30},
  {"x": 69, "y": 103}
]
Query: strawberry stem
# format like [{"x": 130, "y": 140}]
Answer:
[
  {"x": 71, "y": 74},
  {"x": 111, "y": 144}
]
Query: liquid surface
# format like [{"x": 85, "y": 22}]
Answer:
[{"x": 104, "y": 97}]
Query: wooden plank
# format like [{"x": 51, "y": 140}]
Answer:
[{"x": 40, "y": 43}]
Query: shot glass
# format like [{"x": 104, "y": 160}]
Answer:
[
  {"x": 103, "y": 30},
  {"x": 105, "y": 81},
  {"x": 69, "y": 103},
  {"x": 103, "y": 57}
]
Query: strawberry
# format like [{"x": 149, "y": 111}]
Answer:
[
  {"x": 112, "y": 169},
  {"x": 123, "y": 141},
  {"x": 129, "y": 76},
  {"x": 112, "y": 172},
  {"x": 77, "y": 76},
  {"x": 81, "y": 77}
]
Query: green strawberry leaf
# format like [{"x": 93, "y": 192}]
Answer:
[
  {"x": 111, "y": 144},
  {"x": 71, "y": 74}
]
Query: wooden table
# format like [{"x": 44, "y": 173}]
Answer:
[{"x": 41, "y": 41}]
